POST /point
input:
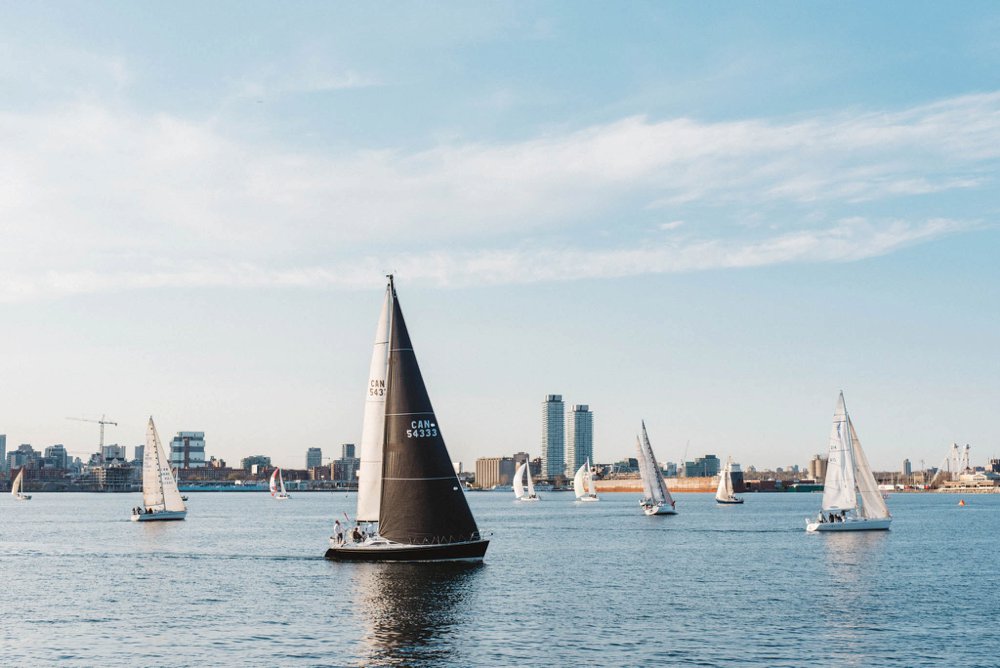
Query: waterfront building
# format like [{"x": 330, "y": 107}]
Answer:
[
  {"x": 493, "y": 471},
  {"x": 24, "y": 457},
  {"x": 260, "y": 461},
  {"x": 579, "y": 438},
  {"x": 314, "y": 458},
  {"x": 3, "y": 452},
  {"x": 817, "y": 468},
  {"x": 345, "y": 470},
  {"x": 703, "y": 467},
  {"x": 113, "y": 454},
  {"x": 553, "y": 437},
  {"x": 907, "y": 469},
  {"x": 187, "y": 450}
]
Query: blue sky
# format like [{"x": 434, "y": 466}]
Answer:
[{"x": 710, "y": 216}]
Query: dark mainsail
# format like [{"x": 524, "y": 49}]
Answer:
[{"x": 422, "y": 499}]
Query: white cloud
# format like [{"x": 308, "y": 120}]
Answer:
[{"x": 97, "y": 198}]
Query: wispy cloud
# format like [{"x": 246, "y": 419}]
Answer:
[{"x": 99, "y": 198}]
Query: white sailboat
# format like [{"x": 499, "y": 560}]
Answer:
[
  {"x": 278, "y": 489},
  {"x": 15, "y": 489},
  {"x": 583, "y": 484},
  {"x": 523, "y": 473},
  {"x": 657, "y": 500},
  {"x": 160, "y": 498},
  {"x": 851, "y": 499},
  {"x": 725, "y": 494}
]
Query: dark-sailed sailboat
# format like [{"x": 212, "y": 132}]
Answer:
[{"x": 423, "y": 514}]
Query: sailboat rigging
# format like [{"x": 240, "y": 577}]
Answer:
[
  {"x": 725, "y": 494},
  {"x": 657, "y": 499},
  {"x": 522, "y": 474},
  {"x": 160, "y": 498},
  {"x": 17, "y": 488},
  {"x": 421, "y": 508},
  {"x": 851, "y": 498},
  {"x": 583, "y": 484},
  {"x": 278, "y": 490}
]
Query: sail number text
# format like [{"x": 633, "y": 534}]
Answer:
[
  {"x": 421, "y": 429},
  {"x": 376, "y": 387}
]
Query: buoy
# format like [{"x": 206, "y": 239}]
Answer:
[{"x": 961, "y": 502}]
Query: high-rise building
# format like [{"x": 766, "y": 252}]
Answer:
[
  {"x": 347, "y": 451},
  {"x": 140, "y": 453},
  {"x": 579, "y": 438},
  {"x": 553, "y": 436},
  {"x": 56, "y": 457},
  {"x": 907, "y": 469},
  {"x": 187, "y": 450},
  {"x": 314, "y": 458},
  {"x": 113, "y": 453},
  {"x": 3, "y": 452}
]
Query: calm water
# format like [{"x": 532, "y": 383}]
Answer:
[{"x": 243, "y": 582}]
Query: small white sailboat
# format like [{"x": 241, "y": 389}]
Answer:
[
  {"x": 657, "y": 500},
  {"x": 160, "y": 498},
  {"x": 278, "y": 489},
  {"x": 725, "y": 494},
  {"x": 520, "y": 493},
  {"x": 18, "y": 486},
  {"x": 851, "y": 499},
  {"x": 583, "y": 484},
  {"x": 177, "y": 477}
]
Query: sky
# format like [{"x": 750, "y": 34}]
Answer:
[{"x": 712, "y": 216}]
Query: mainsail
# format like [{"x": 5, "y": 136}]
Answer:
[
  {"x": 527, "y": 477},
  {"x": 518, "y": 476},
  {"x": 422, "y": 499},
  {"x": 159, "y": 489},
  {"x": 839, "y": 486},
  {"x": 658, "y": 486},
  {"x": 281, "y": 484},
  {"x": 872, "y": 504},
  {"x": 373, "y": 427},
  {"x": 15, "y": 489}
]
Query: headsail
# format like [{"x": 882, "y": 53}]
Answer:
[
  {"x": 15, "y": 489},
  {"x": 272, "y": 484},
  {"x": 579, "y": 482},
  {"x": 373, "y": 427},
  {"x": 838, "y": 488},
  {"x": 422, "y": 499},
  {"x": 647, "y": 482},
  {"x": 872, "y": 504}
]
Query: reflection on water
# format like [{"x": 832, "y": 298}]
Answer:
[{"x": 410, "y": 611}]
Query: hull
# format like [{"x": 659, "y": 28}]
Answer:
[
  {"x": 526, "y": 499},
  {"x": 385, "y": 551},
  {"x": 22, "y": 497},
  {"x": 587, "y": 499},
  {"x": 659, "y": 510},
  {"x": 162, "y": 516},
  {"x": 729, "y": 502},
  {"x": 280, "y": 497},
  {"x": 813, "y": 526}
]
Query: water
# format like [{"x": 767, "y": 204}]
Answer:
[{"x": 243, "y": 582}]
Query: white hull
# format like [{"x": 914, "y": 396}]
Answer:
[
  {"x": 22, "y": 497},
  {"x": 850, "y": 525},
  {"x": 525, "y": 499},
  {"x": 282, "y": 497},
  {"x": 160, "y": 516},
  {"x": 587, "y": 498},
  {"x": 659, "y": 510}
]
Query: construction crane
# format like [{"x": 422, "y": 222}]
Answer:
[{"x": 103, "y": 421}]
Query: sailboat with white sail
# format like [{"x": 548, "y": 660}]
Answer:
[
  {"x": 17, "y": 488},
  {"x": 657, "y": 499},
  {"x": 524, "y": 491},
  {"x": 583, "y": 484},
  {"x": 407, "y": 481},
  {"x": 725, "y": 494},
  {"x": 278, "y": 488},
  {"x": 160, "y": 498},
  {"x": 851, "y": 498}
]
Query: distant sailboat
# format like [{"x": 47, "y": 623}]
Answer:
[
  {"x": 851, "y": 499},
  {"x": 422, "y": 511},
  {"x": 278, "y": 490},
  {"x": 160, "y": 498},
  {"x": 524, "y": 473},
  {"x": 657, "y": 500},
  {"x": 725, "y": 493},
  {"x": 583, "y": 484},
  {"x": 15, "y": 489},
  {"x": 177, "y": 477}
]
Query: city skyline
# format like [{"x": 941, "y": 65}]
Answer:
[{"x": 713, "y": 221}]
